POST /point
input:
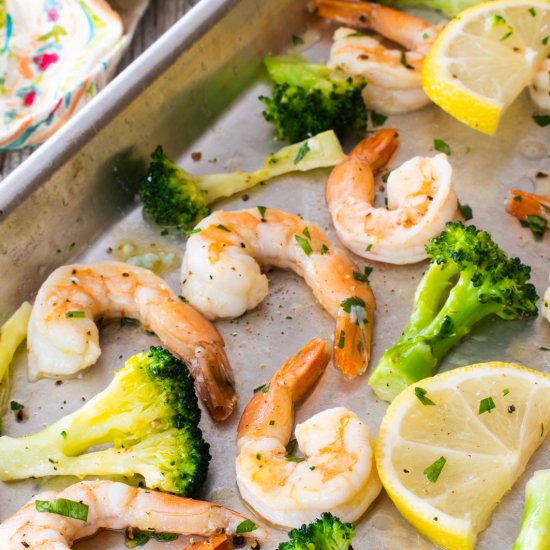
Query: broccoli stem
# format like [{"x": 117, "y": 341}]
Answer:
[
  {"x": 420, "y": 349},
  {"x": 318, "y": 151},
  {"x": 534, "y": 533}
]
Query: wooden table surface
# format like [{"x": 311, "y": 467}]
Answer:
[{"x": 159, "y": 17}]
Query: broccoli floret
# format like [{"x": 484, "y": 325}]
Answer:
[
  {"x": 470, "y": 277},
  {"x": 149, "y": 413},
  {"x": 324, "y": 533},
  {"x": 534, "y": 532},
  {"x": 173, "y": 196},
  {"x": 309, "y": 98}
]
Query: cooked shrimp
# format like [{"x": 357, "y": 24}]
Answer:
[
  {"x": 393, "y": 76},
  {"x": 420, "y": 201},
  {"x": 63, "y": 338},
  {"x": 221, "y": 274},
  {"x": 113, "y": 505},
  {"x": 337, "y": 475},
  {"x": 540, "y": 88}
]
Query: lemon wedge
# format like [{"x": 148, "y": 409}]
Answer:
[
  {"x": 451, "y": 446},
  {"x": 484, "y": 58}
]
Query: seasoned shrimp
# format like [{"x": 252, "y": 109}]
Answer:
[
  {"x": 540, "y": 88},
  {"x": 221, "y": 274},
  {"x": 63, "y": 338},
  {"x": 420, "y": 196},
  {"x": 113, "y": 505},
  {"x": 337, "y": 475},
  {"x": 393, "y": 76}
]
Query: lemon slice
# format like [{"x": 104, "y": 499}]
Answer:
[
  {"x": 451, "y": 446},
  {"x": 484, "y": 58}
]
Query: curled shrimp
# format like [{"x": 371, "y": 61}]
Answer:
[
  {"x": 63, "y": 337},
  {"x": 393, "y": 76},
  {"x": 420, "y": 201},
  {"x": 116, "y": 506},
  {"x": 338, "y": 473},
  {"x": 221, "y": 274}
]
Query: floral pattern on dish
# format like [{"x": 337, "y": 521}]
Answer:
[{"x": 54, "y": 57}]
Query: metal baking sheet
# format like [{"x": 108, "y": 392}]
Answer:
[{"x": 196, "y": 90}]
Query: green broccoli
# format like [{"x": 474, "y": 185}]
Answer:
[
  {"x": 534, "y": 533},
  {"x": 149, "y": 414},
  {"x": 470, "y": 277},
  {"x": 324, "y": 533},
  {"x": 173, "y": 196},
  {"x": 309, "y": 98}
]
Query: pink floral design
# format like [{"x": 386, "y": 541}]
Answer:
[
  {"x": 28, "y": 99},
  {"x": 53, "y": 15},
  {"x": 45, "y": 60}
]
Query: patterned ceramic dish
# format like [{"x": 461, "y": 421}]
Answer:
[{"x": 54, "y": 56}]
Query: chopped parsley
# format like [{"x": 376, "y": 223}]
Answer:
[
  {"x": 189, "y": 232},
  {"x": 304, "y": 244},
  {"x": 306, "y": 232},
  {"x": 262, "y": 211},
  {"x": 297, "y": 40},
  {"x": 139, "y": 537},
  {"x": 465, "y": 211},
  {"x": 507, "y": 34},
  {"x": 352, "y": 34},
  {"x": 324, "y": 249},
  {"x": 403, "y": 59},
  {"x": 264, "y": 388},
  {"x": 537, "y": 224},
  {"x": 63, "y": 434},
  {"x": 272, "y": 422},
  {"x": 518, "y": 198},
  {"x": 63, "y": 507},
  {"x": 532, "y": 11},
  {"x": 377, "y": 119},
  {"x": 542, "y": 120},
  {"x": 486, "y": 405},
  {"x": 441, "y": 146},
  {"x": 290, "y": 450},
  {"x": 363, "y": 277},
  {"x": 349, "y": 303},
  {"x": 15, "y": 406},
  {"x": 421, "y": 394},
  {"x": 544, "y": 41},
  {"x": 342, "y": 340},
  {"x": 75, "y": 314},
  {"x": 542, "y": 348},
  {"x": 369, "y": 248},
  {"x": 505, "y": 392},
  {"x": 434, "y": 471},
  {"x": 246, "y": 526},
  {"x": 223, "y": 228},
  {"x": 302, "y": 152},
  {"x": 496, "y": 20}
]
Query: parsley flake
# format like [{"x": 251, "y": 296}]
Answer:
[
  {"x": 377, "y": 119},
  {"x": 297, "y": 40},
  {"x": 441, "y": 146},
  {"x": 264, "y": 388},
  {"x": 302, "y": 152},
  {"x": 465, "y": 211},
  {"x": 421, "y": 394},
  {"x": 262, "y": 211},
  {"x": 189, "y": 232},
  {"x": 63, "y": 507},
  {"x": 223, "y": 228},
  {"x": 505, "y": 392},
  {"x": 75, "y": 314},
  {"x": 15, "y": 406},
  {"x": 306, "y": 232},
  {"x": 363, "y": 277},
  {"x": 304, "y": 244},
  {"x": 544, "y": 41},
  {"x": 434, "y": 471},
  {"x": 342, "y": 340},
  {"x": 246, "y": 526},
  {"x": 324, "y": 249},
  {"x": 537, "y": 224},
  {"x": 542, "y": 120},
  {"x": 532, "y": 11},
  {"x": 486, "y": 405}
]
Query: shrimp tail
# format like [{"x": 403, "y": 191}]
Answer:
[
  {"x": 300, "y": 373},
  {"x": 214, "y": 380},
  {"x": 289, "y": 385},
  {"x": 352, "y": 342},
  {"x": 391, "y": 23},
  {"x": 377, "y": 149}
]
